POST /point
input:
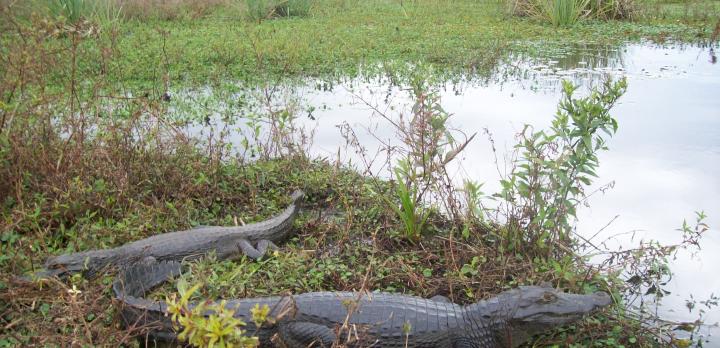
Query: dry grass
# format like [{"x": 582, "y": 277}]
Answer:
[
  {"x": 72, "y": 316},
  {"x": 69, "y": 145},
  {"x": 83, "y": 165}
]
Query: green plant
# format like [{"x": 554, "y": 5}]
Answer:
[
  {"x": 218, "y": 329},
  {"x": 71, "y": 10},
  {"x": 107, "y": 13},
  {"x": 473, "y": 199},
  {"x": 562, "y": 13},
  {"x": 612, "y": 9},
  {"x": 258, "y": 10},
  {"x": 411, "y": 211},
  {"x": 548, "y": 180},
  {"x": 428, "y": 146},
  {"x": 294, "y": 8},
  {"x": 567, "y": 12}
]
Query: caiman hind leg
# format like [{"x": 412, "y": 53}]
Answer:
[
  {"x": 300, "y": 334},
  {"x": 256, "y": 252},
  {"x": 440, "y": 298},
  {"x": 234, "y": 251}
]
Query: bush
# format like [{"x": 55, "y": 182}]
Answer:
[
  {"x": 555, "y": 166},
  {"x": 612, "y": 9},
  {"x": 562, "y": 13},
  {"x": 197, "y": 327},
  {"x": 259, "y": 10},
  {"x": 71, "y": 10},
  {"x": 567, "y": 12},
  {"x": 294, "y": 8}
]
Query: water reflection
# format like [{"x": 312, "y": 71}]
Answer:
[{"x": 663, "y": 163}]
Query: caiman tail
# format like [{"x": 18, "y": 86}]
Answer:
[
  {"x": 137, "y": 280},
  {"x": 130, "y": 287}
]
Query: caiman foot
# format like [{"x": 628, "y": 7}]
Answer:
[
  {"x": 440, "y": 298},
  {"x": 303, "y": 334},
  {"x": 256, "y": 252}
]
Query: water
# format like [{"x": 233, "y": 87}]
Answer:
[{"x": 663, "y": 164}]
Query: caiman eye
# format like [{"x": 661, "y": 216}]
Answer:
[
  {"x": 51, "y": 265},
  {"x": 548, "y": 297}
]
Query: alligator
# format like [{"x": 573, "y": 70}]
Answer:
[
  {"x": 368, "y": 319},
  {"x": 225, "y": 241}
]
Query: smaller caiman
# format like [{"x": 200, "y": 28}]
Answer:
[
  {"x": 226, "y": 242},
  {"x": 323, "y": 319}
]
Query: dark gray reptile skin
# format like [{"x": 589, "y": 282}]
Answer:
[
  {"x": 226, "y": 242},
  {"x": 378, "y": 319}
]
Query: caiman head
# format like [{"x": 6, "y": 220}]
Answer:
[
  {"x": 530, "y": 310},
  {"x": 297, "y": 196},
  {"x": 67, "y": 264}
]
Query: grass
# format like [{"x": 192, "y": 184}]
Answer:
[
  {"x": 92, "y": 155},
  {"x": 72, "y": 10},
  {"x": 566, "y": 13},
  {"x": 468, "y": 36},
  {"x": 563, "y": 13},
  {"x": 465, "y": 37}
]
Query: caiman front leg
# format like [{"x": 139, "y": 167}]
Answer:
[
  {"x": 256, "y": 252},
  {"x": 300, "y": 334}
]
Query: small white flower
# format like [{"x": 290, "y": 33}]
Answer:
[{"x": 74, "y": 291}]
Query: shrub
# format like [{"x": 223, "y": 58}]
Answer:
[
  {"x": 71, "y": 10},
  {"x": 218, "y": 329},
  {"x": 568, "y": 12},
  {"x": 612, "y": 9},
  {"x": 562, "y": 13},
  {"x": 294, "y": 8},
  {"x": 259, "y": 10},
  {"x": 555, "y": 167}
]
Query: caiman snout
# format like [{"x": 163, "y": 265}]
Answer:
[
  {"x": 64, "y": 262},
  {"x": 602, "y": 299},
  {"x": 296, "y": 196},
  {"x": 534, "y": 309}
]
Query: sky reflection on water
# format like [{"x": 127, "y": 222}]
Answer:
[{"x": 664, "y": 162}]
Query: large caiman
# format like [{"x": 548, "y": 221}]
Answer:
[{"x": 324, "y": 319}]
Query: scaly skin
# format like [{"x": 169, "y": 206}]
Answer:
[
  {"x": 375, "y": 319},
  {"x": 226, "y": 242}
]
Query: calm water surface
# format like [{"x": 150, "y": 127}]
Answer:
[{"x": 662, "y": 166}]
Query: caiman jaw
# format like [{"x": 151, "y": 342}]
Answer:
[
  {"x": 61, "y": 265},
  {"x": 533, "y": 309}
]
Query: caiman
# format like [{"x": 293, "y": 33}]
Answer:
[
  {"x": 227, "y": 242},
  {"x": 321, "y": 319}
]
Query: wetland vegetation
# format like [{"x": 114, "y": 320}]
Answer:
[{"x": 99, "y": 146}]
